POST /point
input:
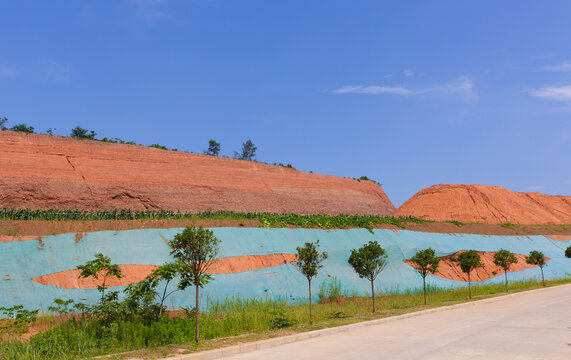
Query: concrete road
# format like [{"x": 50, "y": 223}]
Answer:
[{"x": 536, "y": 325}]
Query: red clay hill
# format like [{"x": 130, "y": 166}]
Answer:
[
  {"x": 42, "y": 171},
  {"x": 487, "y": 204}
]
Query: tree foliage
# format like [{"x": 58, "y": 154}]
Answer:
[
  {"x": 145, "y": 293},
  {"x": 23, "y": 128},
  {"x": 504, "y": 259},
  {"x": 568, "y": 252},
  {"x": 196, "y": 249},
  {"x": 213, "y": 148},
  {"x": 102, "y": 267},
  {"x": 468, "y": 261},
  {"x": 81, "y": 133},
  {"x": 248, "y": 151},
  {"x": 309, "y": 261},
  {"x": 538, "y": 259},
  {"x": 3, "y": 121},
  {"x": 425, "y": 262},
  {"x": 368, "y": 261}
]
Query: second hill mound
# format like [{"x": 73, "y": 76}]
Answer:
[
  {"x": 42, "y": 171},
  {"x": 487, "y": 204}
]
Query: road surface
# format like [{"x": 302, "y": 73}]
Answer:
[{"x": 536, "y": 325}]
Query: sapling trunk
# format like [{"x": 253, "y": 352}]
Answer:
[
  {"x": 310, "y": 319},
  {"x": 424, "y": 285},
  {"x": 196, "y": 315},
  {"x": 373, "y": 294},
  {"x": 163, "y": 299},
  {"x": 506, "y": 276},
  {"x": 469, "y": 286},
  {"x": 542, "y": 278}
]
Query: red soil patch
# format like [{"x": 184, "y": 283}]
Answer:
[
  {"x": 42, "y": 171},
  {"x": 449, "y": 269},
  {"x": 249, "y": 262},
  {"x": 559, "y": 237},
  {"x": 8, "y": 238},
  {"x": 69, "y": 279},
  {"x": 486, "y": 204}
]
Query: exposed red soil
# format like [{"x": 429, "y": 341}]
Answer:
[
  {"x": 487, "y": 204},
  {"x": 42, "y": 171},
  {"x": 69, "y": 279},
  {"x": 9, "y": 238},
  {"x": 560, "y": 237},
  {"x": 449, "y": 269},
  {"x": 249, "y": 262},
  {"x": 33, "y": 229}
]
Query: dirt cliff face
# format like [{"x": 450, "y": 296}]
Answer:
[
  {"x": 487, "y": 204},
  {"x": 42, "y": 171}
]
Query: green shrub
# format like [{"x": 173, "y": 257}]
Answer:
[
  {"x": 23, "y": 128},
  {"x": 81, "y": 133},
  {"x": 280, "y": 321},
  {"x": 507, "y": 225}
]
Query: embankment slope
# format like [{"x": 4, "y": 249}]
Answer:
[
  {"x": 42, "y": 171},
  {"x": 487, "y": 204}
]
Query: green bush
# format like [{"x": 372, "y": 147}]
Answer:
[
  {"x": 81, "y": 133},
  {"x": 280, "y": 321},
  {"x": 23, "y": 128}
]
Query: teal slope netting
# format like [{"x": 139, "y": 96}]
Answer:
[{"x": 20, "y": 261}]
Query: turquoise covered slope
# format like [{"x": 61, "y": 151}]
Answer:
[{"x": 20, "y": 261}]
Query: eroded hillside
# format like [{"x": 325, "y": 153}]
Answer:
[
  {"x": 487, "y": 204},
  {"x": 42, "y": 171}
]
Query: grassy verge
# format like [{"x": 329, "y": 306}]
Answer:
[{"x": 227, "y": 323}]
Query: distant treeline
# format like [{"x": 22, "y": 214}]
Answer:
[{"x": 248, "y": 151}]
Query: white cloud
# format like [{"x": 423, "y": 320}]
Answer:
[
  {"x": 565, "y": 66},
  {"x": 407, "y": 73},
  {"x": 373, "y": 90},
  {"x": 461, "y": 86},
  {"x": 559, "y": 93},
  {"x": 57, "y": 72},
  {"x": 7, "y": 72}
]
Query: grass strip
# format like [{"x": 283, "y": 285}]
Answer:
[{"x": 230, "y": 322}]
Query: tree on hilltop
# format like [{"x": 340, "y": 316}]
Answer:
[
  {"x": 23, "y": 128},
  {"x": 248, "y": 151},
  {"x": 81, "y": 133},
  {"x": 213, "y": 148}
]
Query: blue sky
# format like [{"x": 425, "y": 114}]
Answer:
[{"x": 409, "y": 93}]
